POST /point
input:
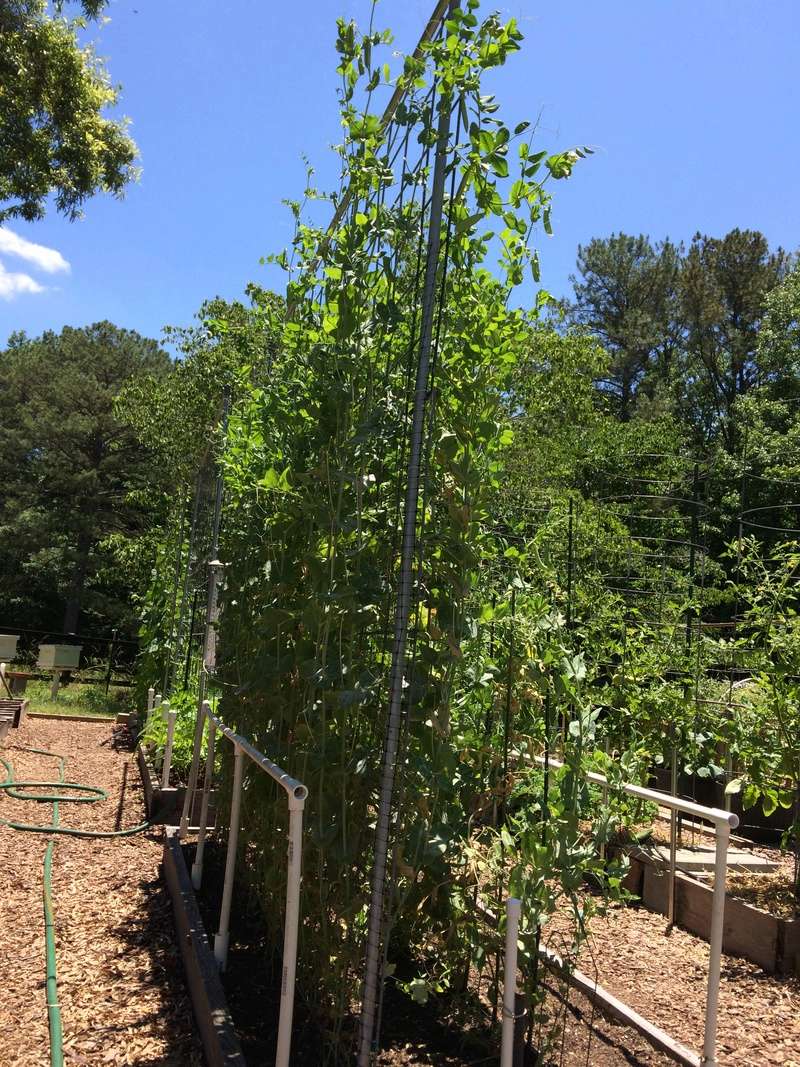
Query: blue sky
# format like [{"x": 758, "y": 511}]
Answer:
[{"x": 691, "y": 106}]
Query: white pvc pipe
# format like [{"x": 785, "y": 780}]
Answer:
[
  {"x": 296, "y": 794},
  {"x": 197, "y": 866},
  {"x": 151, "y": 699},
  {"x": 171, "y": 713},
  {"x": 513, "y": 909},
  {"x": 715, "y": 940},
  {"x": 715, "y": 815},
  {"x": 222, "y": 937},
  {"x": 291, "y": 785},
  {"x": 673, "y": 839},
  {"x": 290, "y": 927},
  {"x": 605, "y": 803},
  {"x": 194, "y": 770},
  {"x": 724, "y": 822},
  {"x": 728, "y": 775}
]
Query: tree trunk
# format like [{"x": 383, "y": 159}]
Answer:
[{"x": 72, "y": 609}]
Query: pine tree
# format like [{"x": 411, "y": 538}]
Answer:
[{"x": 72, "y": 474}]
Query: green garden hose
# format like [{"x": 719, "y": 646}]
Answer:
[{"x": 91, "y": 794}]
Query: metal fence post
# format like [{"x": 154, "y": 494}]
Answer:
[
  {"x": 673, "y": 839},
  {"x": 111, "y": 644}
]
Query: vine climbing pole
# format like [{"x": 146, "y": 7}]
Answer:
[
  {"x": 405, "y": 597},
  {"x": 210, "y": 637},
  {"x": 354, "y": 532}
]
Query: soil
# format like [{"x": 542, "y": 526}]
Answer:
[{"x": 121, "y": 990}]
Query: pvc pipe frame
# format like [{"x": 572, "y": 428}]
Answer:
[
  {"x": 724, "y": 822},
  {"x": 197, "y": 866},
  {"x": 513, "y": 910},
  {"x": 296, "y": 794},
  {"x": 170, "y": 715},
  {"x": 673, "y": 838}
]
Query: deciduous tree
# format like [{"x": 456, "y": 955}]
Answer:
[{"x": 54, "y": 137}]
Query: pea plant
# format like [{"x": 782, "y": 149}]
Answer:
[
  {"x": 314, "y": 471},
  {"x": 314, "y": 465},
  {"x": 766, "y": 742}
]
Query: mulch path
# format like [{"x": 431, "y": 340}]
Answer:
[
  {"x": 663, "y": 976},
  {"x": 120, "y": 977}
]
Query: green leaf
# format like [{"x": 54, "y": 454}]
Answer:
[
  {"x": 418, "y": 991},
  {"x": 499, "y": 165},
  {"x": 769, "y": 802}
]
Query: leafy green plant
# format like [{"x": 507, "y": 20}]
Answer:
[
  {"x": 314, "y": 463},
  {"x": 766, "y": 745},
  {"x": 154, "y": 732}
]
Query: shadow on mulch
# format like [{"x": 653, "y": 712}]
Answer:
[
  {"x": 121, "y": 740},
  {"x": 151, "y": 931},
  {"x": 411, "y": 1034}
]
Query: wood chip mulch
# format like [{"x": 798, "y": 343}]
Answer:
[
  {"x": 664, "y": 977},
  {"x": 121, "y": 988}
]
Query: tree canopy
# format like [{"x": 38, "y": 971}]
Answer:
[
  {"x": 76, "y": 482},
  {"x": 681, "y": 327},
  {"x": 55, "y": 139}
]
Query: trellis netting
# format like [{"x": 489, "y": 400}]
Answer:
[{"x": 376, "y": 637}]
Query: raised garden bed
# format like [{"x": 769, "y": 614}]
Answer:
[
  {"x": 414, "y": 1035},
  {"x": 67, "y": 717},
  {"x": 220, "y": 1043},
  {"x": 166, "y": 805},
  {"x": 770, "y": 941}
]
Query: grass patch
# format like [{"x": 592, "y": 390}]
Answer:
[{"x": 79, "y": 699}]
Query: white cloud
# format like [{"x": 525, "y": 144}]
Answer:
[
  {"x": 13, "y": 283},
  {"x": 46, "y": 259}
]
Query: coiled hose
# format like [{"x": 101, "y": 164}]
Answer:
[{"x": 78, "y": 794}]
